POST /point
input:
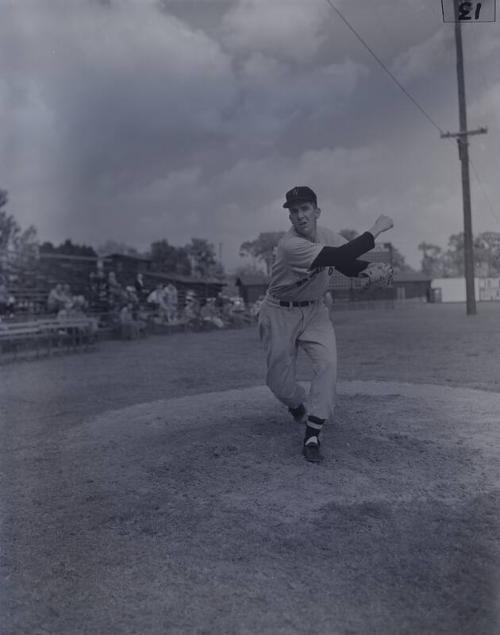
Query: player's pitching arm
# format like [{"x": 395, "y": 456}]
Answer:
[{"x": 344, "y": 258}]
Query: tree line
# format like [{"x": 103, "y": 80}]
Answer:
[
  {"x": 449, "y": 263},
  {"x": 197, "y": 258}
]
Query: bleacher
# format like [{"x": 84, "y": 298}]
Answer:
[
  {"x": 32, "y": 328},
  {"x": 48, "y": 336}
]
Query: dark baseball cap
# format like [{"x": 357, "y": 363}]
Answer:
[{"x": 299, "y": 194}]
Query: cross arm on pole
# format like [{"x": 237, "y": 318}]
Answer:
[{"x": 466, "y": 133}]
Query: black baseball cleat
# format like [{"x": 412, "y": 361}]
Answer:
[
  {"x": 312, "y": 453},
  {"x": 299, "y": 413}
]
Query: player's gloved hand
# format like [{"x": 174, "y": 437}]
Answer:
[
  {"x": 378, "y": 274},
  {"x": 382, "y": 224}
]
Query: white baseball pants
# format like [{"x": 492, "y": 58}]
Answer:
[{"x": 283, "y": 330}]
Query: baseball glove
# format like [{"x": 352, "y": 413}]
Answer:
[{"x": 379, "y": 274}]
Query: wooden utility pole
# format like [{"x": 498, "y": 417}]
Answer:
[{"x": 463, "y": 155}]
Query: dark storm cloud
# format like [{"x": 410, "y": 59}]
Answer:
[{"x": 138, "y": 119}]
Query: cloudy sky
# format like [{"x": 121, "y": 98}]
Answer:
[{"x": 136, "y": 120}]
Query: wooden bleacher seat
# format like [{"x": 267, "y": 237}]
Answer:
[{"x": 49, "y": 334}]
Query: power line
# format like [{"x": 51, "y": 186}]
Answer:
[
  {"x": 410, "y": 97},
  {"x": 384, "y": 67}
]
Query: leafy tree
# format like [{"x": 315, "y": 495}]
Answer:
[
  {"x": 262, "y": 248},
  {"x": 9, "y": 229},
  {"x": 399, "y": 263},
  {"x": 487, "y": 254},
  {"x": 23, "y": 243},
  {"x": 168, "y": 258},
  {"x": 453, "y": 258},
  {"x": 218, "y": 271},
  {"x": 432, "y": 260},
  {"x": 68, "y": 248},
  {"x": 451, "y": 263},
  {"x": 47, "y": 248},
  {"x": 202, "y": 254}
]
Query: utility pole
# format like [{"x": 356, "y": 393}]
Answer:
[{"x": 463, "y": 155}]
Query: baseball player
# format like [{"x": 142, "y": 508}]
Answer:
[{"x": 294, "y": 314}]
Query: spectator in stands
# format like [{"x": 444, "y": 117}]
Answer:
[
  {"x": 219, "y": 301},
  {"x": 66, "y": 289},
  {"x": 6, "y": 301},
  {"x": 57, "y": 299},
  {"x": 79, "y": 305},
  {"x": 116, "y": 294},
  {"x": 255, "y": 307},
  {"x": 192, "y": 307},
  {"x": 154, "y": 297},
  {"x": 75, "y": 308},
  {"x": 158, "y": 298},
  {"x": 227, "y": 309},
  {"x": 210, "y": 314},
  {"x": 171, "y": 300},
  {"x": 140, "y": 289},
  {"x": 238, "y": 312},
  {"x": 130, "y": 327},
  {"x": 131, "y": 296},
  {"x": 98, "y": 291}
]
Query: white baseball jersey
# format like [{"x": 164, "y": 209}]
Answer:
[{"x": 291, "y": 278}]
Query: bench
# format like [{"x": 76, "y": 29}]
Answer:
[{"x": 70, "y": 333}]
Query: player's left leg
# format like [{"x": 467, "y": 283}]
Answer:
[{"x": 318, "y": 342}]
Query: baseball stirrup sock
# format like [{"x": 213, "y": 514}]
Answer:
[{"x": 313, "y": 428}]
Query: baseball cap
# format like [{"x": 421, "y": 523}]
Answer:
[{"x": 299, "y": 194}]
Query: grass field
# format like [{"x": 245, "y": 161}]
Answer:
[{"x": 155, "y": 486}]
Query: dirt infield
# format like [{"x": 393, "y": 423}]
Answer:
[{"x": 157, "y": 487}]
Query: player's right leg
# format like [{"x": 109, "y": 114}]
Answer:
[{"x": 278, "y": 329}]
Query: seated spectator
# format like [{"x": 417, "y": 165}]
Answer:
[
  {"x": 192, "y": 308},
  {"x": 227, "y": 308},
  {"x": 67, "y": 293},
  {"x": 154, "y": 297},
  {"x": 255, "y": 307},
  {"x": 57, "y": 299},
  {"x": 75, "y": 308},
  {"x": 130, "y": 327},
  {"x": 6, "y": 300},
  {"x": 210, "y": 314},
  {"x": 158, "y": 299},
  {"x": 131, "y": 296},
  {"x": 98, "y": 292},
  {"x": 116, "y": 294},
  {"x": 219, "y": 300},
  {"x": 171, "y": 301},
  {"x": 140, "y": 289},
  {"x": 79, "y": 305}
]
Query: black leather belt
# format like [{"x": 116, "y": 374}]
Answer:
[{"x": 303, "y": 303}]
